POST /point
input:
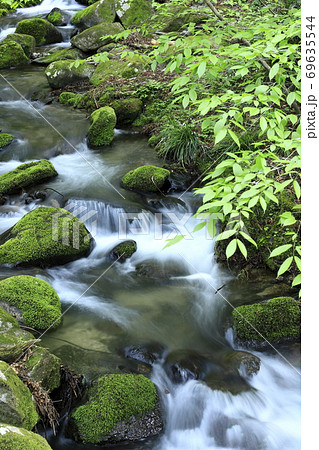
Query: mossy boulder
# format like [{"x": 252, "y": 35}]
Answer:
[
  {"x": 127, "y": 110},
  {"x": 12, "y": 55},
  {"x": 128, "y": 67},
  {"x": 124, "y": 250},
  {"x": 5, "y": 139},
  {"x": 37, "y": 300},
  {"x": 115, "y": 400},
  {"x": 13, "y": 340},
  {"x": 14, "y": 438},
  {"x": 57, "y": 55},
  {"x": 101, "y": 132},
  {"x": 239, "y": 360},
  {"x": 146, "y": 179},
  {"x": 99, "y": 12},
  {"x": 17, "y": 407},
  {"x": 176, "y": 17},
  {"x": 45, "y": 237},
  {"x": 133, "y": 12},
  {"x": 27, "y": 42},
  {"x": 26, "y": 175},
  {"x": 63, "y": 73},
  {"x": 43, "y": 31},
  {"x": 90, "y": 39},
  {"x": 58, "y": 17},
  {"x": 274, "y": 320},
  {"x": 71, "y": 99},
  {"x": 43, "y": 366}
]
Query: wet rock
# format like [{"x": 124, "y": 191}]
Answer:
[
  {"x": 101, "y": 131},
  {"x": 43, "y": 31},
  {"x": 239, "y": 360},
  {"x": 146, "y": 179},
  {"x": 90, "y": 39},
  {"x": 58, "y": 17},
  {"x": 133, "y": 12},
  {"x": 63, "y": 73},
  {"x": 184, "y": 365},
  {"x": 12, "y": 55},
  {"x": 16, "y": 438},
  {"x": 26, "y": 41},
  {"x": 40, "y": 239},
  {"x": 124, "y": 250},
  {"x": 156, "y": 270},
  {"x": 145, "y": 353},
  {"x": 127, "y": 110},
  {"x": 17, "y": 407},
  {"x": 99, "y": 12},
  {"x": 5, "y": 138},
  {"x": 60, "y": 54},
  {"x": 43, "y": 366}
]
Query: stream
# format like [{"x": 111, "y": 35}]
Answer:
[{"x": 110, "y": 305}]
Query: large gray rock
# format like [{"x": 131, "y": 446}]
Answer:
[
  {"x": 63, "y": 73},
  {"x": 133, "y": 12},
  {"x": 99, "y": 12},
  {"x": 43, "y": 31},
  {"x": 90, "y": 39}
]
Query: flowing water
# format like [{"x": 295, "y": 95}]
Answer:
[{"x": 109, "y": 305}]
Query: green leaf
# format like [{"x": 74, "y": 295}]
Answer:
[
  {"x": 248, "y": 238},
  {"x": 242, "y": 248},
  {"x": 253, "y": 201},
  {"x": 201, "y": 69},
  {"x": 296, "y": 186},
  {"x": 227, "y": 208},
  {"x": 271, "y": 196},
  {"x": 298, "y": 262},
  {"x": 285, "y": 266},
  {"x": 263, "y": 124},
  {"x": 279, "y": 250},
  {"x": 192, "y": 95},
  {"x": 211, "y": 227},
  {"x": 291, "y": 98},
  {"x": 263, "y": 203},
  {"x": 296, "y": 280},
  {"x": 231, "y": 248},
  {"x": 237, "y": 169},
  {"x": 185, "y": 101},
  {"x": 261, "y": 89},
  {"x": 225, "y": 235},
  {"x": 199, "y": 226},
  {"x": 174, "y": 240},
  {"x": 234, "y": 137},
  {"x": 220, "y": 135},
  {"x": 273, "y": 71}
]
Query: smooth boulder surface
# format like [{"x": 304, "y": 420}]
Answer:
[
  {"x": 43, "y": 31},
  {"x": 90, "y": 39},
  {"x": 14, "y": 438},
  {"x": 26, "y": 175},
  {"x": 45, "y": 237},
  {"x": 37, "y": 300},
  {"x": 65, "y": 72},
  {"x": 101, "y": 131}
]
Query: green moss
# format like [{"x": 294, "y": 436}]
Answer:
[
  {"x": 55, "y": 18},
  {"x": 11, "y": 55},
  {"x": 26, "y": 175},
  {"x": 5, "y": 139},
  {"x": 64, "y": 54},
  {"x": 42, "y": 30},
  {"x": 17, "y": 406},
  {"x": 102, "y": 11},
  {"x": 69, "y": 98},
  {"x": 133, "y": 12},
  {"x": 65, "y": 72},
  {"x": 128, "y": 67},
  {"x": 276, "y": 319},
  {"x": 127, "y": 109},
  {"x": 45, "y": 237},
  {"x": 13, "y": 438},
  {"x": 101, "y": 132},
  {"x": 124, "y": 250},
  {"x": 45, "y": 367},
  {"x": 38, "y": 301},
  {"x": 146, "y": 179},
  {"x": 27, "y": 42},
  {"x": 115, "y": 398},
  {"x": 153, "y": 141},
  {"x": 3, "y": 12},
  {"x": 91, "y": 39}
]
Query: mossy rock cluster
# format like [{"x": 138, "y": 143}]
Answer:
[
  {"x": 12, "y": 55},
  {"x": 146, "y": 179},
  {"x": 90, "y": 39},
  {"x": 115, "y": 398},
  {"x": 27, "y": 42},
  {"x": 127, "y": 110},
  {"x": 14, "y": 438},
  {"x": 26, "y": 175},
  {"x": 17, "y": 407},
  {"x": 274, "y": 320},
  {"x": 99, "y": 12},
  {"x": 71, "y": 99},
  {"x": 65, "y": 72},
  {"x": 45, "y": 237},
  {"x": 43, "y": 31},
  {"x": 13, "y": 340},
  {"x": 37, "y": 300},
  {"x": 101, "y": 131},
  {"x": 5, "y": 139}
]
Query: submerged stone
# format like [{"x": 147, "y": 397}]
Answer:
[
  {"x": 62, "y": 73},
  {"x": 147, "y": 179},
  {"x": 121, "y": 407},
  {"x": 101, "y": 131},
  {"x": 37, "y": 300},
  {"x": 17, "y": 407},
  {"x": 26, "y": 175},
  {"x": 43, "y": 31},
  {"x": 99, "y": 12},
  {"x": 14, "y": 438},
  {"x": 124, "y": 250},
  {"x": 45, "y": 237},
  {"x": 11, "y": 55}
]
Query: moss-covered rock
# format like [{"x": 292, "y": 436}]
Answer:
[
  {"x": 133, "y": 12},
  {"x": 127, "y": 110},
  {"x": 43, "y": 31},
  {"x": 128, "y": 67},
  {"x": 13, "y": 340},
  {"x": 17, "y": 407},
  {"x": 58, "y": 17},
  {"x": 59, "y": 54},
  {"x": 14, "y": 438},
  {"x": 175, "y": 17},
  {"x": 99, "y": 12},
  {"x": 11, "y": 55},
  {"x": 62, "y": 73},
  {"x": 72, "y": 99},
  {"x": 25, "y": 175},
  {"x": 90, "y": 39},
  {"x": 146, "y": 179},
  {"x": 37, "y": 300},
  {"x": 45, "y": 237},
  {"x": 124, "y": 250},
  {"x": 45, "y": 367},
  {"x": 240, "y": 359},
  {"x": 274, "y": 320},
  {"x": 5, "y": 139},
  {"x": 101, "y": 132},
  {"x": 115, "y": 399},
  {"x": 27, "y": 42}
]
